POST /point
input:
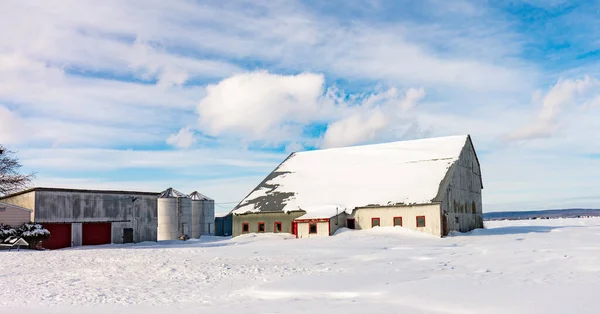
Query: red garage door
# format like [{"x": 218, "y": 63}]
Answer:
[
  {"x": 60, "y": 236},
  {"x": 96, "y": 233}
]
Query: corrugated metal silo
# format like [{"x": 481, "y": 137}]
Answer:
[
  {"x": 207, "y": 213},
  {"x": 174, "y": 215},
  {"x": 197, "y": 218}
]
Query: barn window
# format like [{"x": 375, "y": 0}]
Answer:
[
  {"x": 375, "y": 222},
  {"x": 312, "y": 228},
  {"x": 261, "y": 227},
  {"x": 474, "y": 208},
  {"x": 420, "y": 221},
  {"x": 245, "y": 227},
  {"x": 277, "y": 227},
  {"x": 398, "y": 221}
]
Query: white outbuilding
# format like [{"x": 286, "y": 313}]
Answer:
[
  {"x": 431, "y": 185},
  {"x": 13, "y": 215}
]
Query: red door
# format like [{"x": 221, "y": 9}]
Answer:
[
  {"x": 295, "y": 228},
  {"x": 96, "y": 233},
  {"x": 60, "y": 236}
]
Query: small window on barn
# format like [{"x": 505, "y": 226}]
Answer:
[
  {"x": 312, "y": 228},
  {"x": 474, "y": 208},
  {"x": 277, "y": 227},
  {"x": 398, "y": 221},
  {"x": 375, "y": 222},
  {"x": 245, "y": 227},
  {"x": 261, "y": 227},
  {"x": 420, "y": 221}
]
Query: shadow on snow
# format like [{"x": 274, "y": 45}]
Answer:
[{"x": 512, "y": 230}]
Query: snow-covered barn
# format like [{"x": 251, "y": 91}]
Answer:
[{"x": 431, "y": 185}]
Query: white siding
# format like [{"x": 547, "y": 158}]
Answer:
[
  {"x": 322, "y": 229},
  {"x": 14, "y": 216},
  {"x": 409, "y": 216}
]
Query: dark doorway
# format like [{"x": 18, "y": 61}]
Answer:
[
  {"x": 350, "y": 223},
  {"x": 128, "y": 235},
  {"x": 445, "y": 225}
]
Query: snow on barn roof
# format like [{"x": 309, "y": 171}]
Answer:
[{"x": 405, "y": 172}]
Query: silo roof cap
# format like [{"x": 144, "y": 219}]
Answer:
[
  {"x": 172, "y": 193},
  {"x": 196, "y": 196}
]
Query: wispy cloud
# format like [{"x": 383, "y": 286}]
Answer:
[{"x": 566, "y": 92}]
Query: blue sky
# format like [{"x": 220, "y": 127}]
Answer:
[{"x": 210, "y": 96}]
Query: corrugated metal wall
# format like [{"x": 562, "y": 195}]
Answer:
[{"x": 137, "y": 211}]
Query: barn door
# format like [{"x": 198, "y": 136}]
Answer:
[
  {"x": 445, "y": 224},
  {"x": 128, "y": 235},
  {"x": 295, "y": 228}
]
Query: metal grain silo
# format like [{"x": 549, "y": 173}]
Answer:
[
  {"x": 174, "y": 215},
  {"x": 197, "y": 218},
  {"x": 206, "y": 210}
]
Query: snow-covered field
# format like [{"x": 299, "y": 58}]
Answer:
[{"x": 541, "y": 266}]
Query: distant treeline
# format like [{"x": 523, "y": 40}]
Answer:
[{"x": 543, "y": 214}]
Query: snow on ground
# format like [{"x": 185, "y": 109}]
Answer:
[{"x": 539, "y": 266}]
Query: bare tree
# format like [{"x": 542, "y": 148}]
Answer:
[{"x": 10, "y": 179}]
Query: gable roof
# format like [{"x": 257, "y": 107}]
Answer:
[{"x": 405, "y": 172}]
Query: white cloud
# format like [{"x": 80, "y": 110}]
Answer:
[
  {"x": 94, "y": 159},
  {"x": 260, "y": 105},
  {"x": 566, "y": 92},
  {"x": 183, "y": 139},
  {"x": 11, "y": 127},
  {"x": 357, "y": 128},
  {"x": 265, "y": 107},
  {"x": 367, "y": 120}
]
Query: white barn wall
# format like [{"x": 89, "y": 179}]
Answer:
[
  {"x": 409, "y": 215},
  {"x": 322, "y": 229}
]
